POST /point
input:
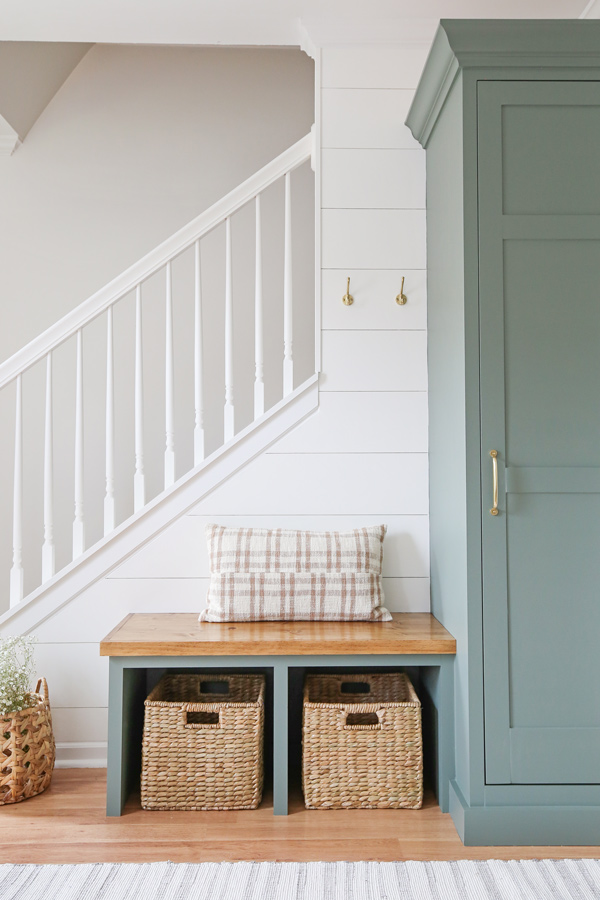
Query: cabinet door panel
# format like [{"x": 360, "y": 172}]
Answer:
[
  {"x": 551, "y": 351},
  {"x": 550, "y": 157},
  {"x": 540, "y": 381},
  {"x": 553, "y": 610}
]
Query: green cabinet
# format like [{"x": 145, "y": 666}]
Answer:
[
  {"x": 539, "y": 306},
  {"x": 509, "y": 113}
]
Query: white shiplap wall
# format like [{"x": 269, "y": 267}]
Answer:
[{"x": 362, "y": 458}]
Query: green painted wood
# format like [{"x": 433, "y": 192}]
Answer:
[
  {"x": 404, "y": 660},
  {"x": 562, "y": 755},
  {"x": 510, "y": 48},
  {"x": 466, "y": 56},
  {"x": 129, "y": 676},
  {"x": 126, "y": 694},
  {"x": 540, "y": 411},
  {"x": 542, "y": 795},
  {"x": 280, "y": 737},
  {"x": 447, "y": 404},
  {"x": 557, "y": 228},
  {"x": 436, "y": 82},
  {"x": 474, "y": 790},
  {"x": 438, "y": 681},
  {"x": 553, "y": 479},
  {"x": 569, "y": 134},
  {"x": 510, "y": 825},
  {"x": 115, "y": 780}
]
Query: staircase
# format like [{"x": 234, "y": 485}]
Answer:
[{"x": 131, "y": 515}]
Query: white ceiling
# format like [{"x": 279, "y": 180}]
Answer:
[{"x": 270, "y": 22}]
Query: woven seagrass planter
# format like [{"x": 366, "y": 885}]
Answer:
[
  {"x": 27, "y": 750},
  {"x": 203, "y": 742},
  {"x": 361, "y": 742}
]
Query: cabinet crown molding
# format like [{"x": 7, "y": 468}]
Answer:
[{"x": 505, "y": 46}]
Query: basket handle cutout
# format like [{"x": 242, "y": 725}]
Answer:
[
  {"x": 214, "y": 687},
  {"x": 201, "y": 719},
  {"x": 360, "y": 720},
  {"x": 355, "y": 687}
]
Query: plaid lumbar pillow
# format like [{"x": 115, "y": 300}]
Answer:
[{"x": 260, "y": 574}]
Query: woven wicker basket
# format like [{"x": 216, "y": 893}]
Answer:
[
  {"x": 203, "y": 742},
  {"x": 27, "y": 750},
  {"x": 361, "y": 742}
]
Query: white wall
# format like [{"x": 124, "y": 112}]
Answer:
[
  {"x": 362, "y": 458},
  {"x": 137, "y": 142}
]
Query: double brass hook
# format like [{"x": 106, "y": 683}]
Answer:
[{"x": 348, "y": 299}]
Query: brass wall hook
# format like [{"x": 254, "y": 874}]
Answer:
[
  {"x": 401, "y": 298},
  {"x": 347, "y": 299}
]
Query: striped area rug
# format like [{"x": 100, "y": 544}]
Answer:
[{"x": 493, "y": 879}]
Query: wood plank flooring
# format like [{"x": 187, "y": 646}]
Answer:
[{"x": 67, "y": 824}]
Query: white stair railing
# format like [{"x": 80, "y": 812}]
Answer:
[{"x": 131, "y": 282}]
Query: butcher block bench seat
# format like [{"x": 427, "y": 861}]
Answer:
[
  {"x": 143, "y": 642},
  {"x": 181, "y": 634}
]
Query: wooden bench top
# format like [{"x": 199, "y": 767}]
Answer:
[{"x": 180, "y": 634}]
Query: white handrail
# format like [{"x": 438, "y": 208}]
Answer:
[{"x": 144, "y": 268}]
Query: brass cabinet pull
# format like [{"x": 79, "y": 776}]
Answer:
[{"x": 494, "y": 455}]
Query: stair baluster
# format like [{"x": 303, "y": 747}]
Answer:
[
  {"x": 169, "y": 386},
  {"x": 229, "y": 415},
  {"x": 139, "y": 478},
  {"x": 259, "y": 381},
  {"x": 109, "y": 497},
  {"x": 288, "y": 360},
  {"x": 16, "y": 573},
  {"x": 79, "y": 522},
  {"x": 198, "y": 361},
  {"x": 48, "y": 549}
]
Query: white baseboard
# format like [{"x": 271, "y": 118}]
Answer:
[{"x": 81, "y": 755}]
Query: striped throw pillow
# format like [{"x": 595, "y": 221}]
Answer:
[{"x": 259, "y": 574}]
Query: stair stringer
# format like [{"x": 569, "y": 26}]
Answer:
[{"x": 111, "y": 551}]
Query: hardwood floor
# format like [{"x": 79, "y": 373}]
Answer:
[{"x": 67, "y": 824}]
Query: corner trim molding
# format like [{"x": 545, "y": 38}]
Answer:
[
  {"x": 307, "y": 45},
  {"x": 441, "y": 68}
]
